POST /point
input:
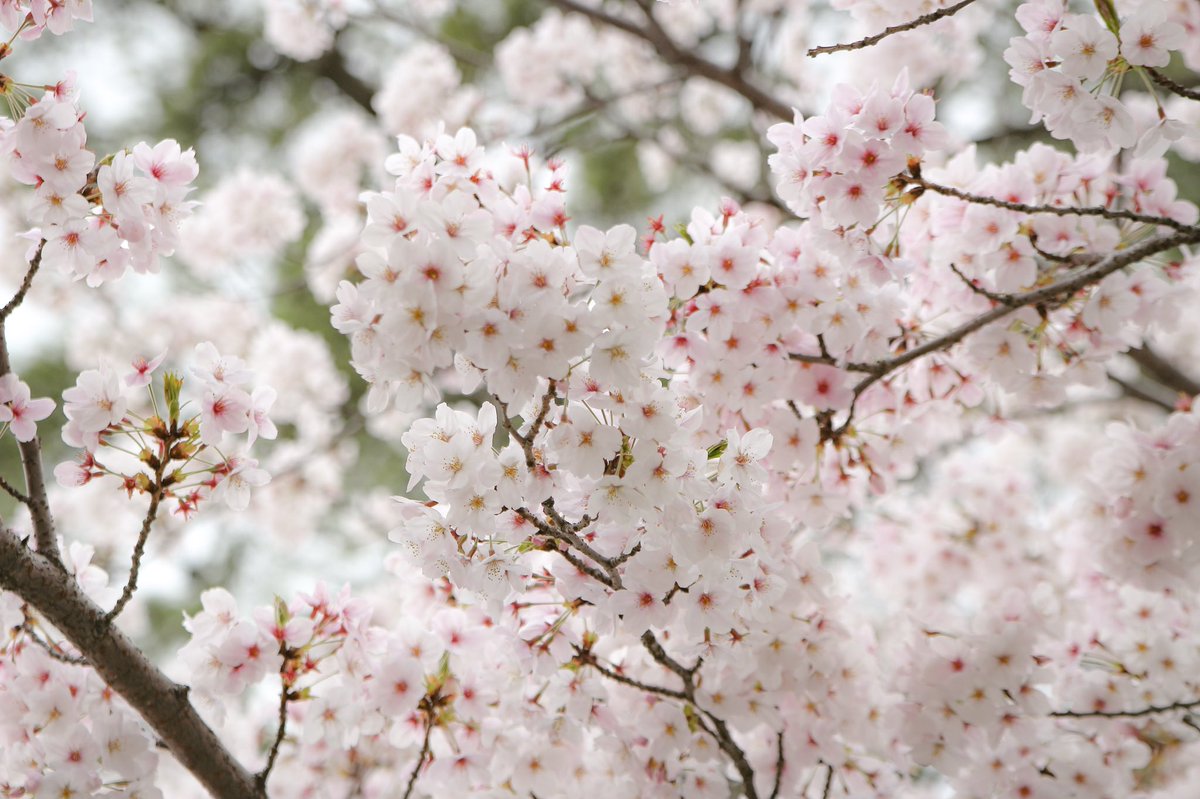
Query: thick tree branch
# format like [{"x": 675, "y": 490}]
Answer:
[
  {"x": 673, "y": 53},
  {"x": 924, "y": 19},
  {"x": 164, "y": 705}
]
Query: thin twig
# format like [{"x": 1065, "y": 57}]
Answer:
[
  {"x": 1065, "y": 287},
  {"x": 719, "y": 730},
  {"x": 924, "y": 19},
  {"x": 26, "y": 283},
  {"x": 140, "y": 547},
  {"x": 53, "y": 650},
  {"x": 1160, "y": 369},
  {"x": 1172, "y": 86},
  {"x": 1134, "y": 392},
  {"x": 526, "y": 439},
  {"x": 670, "y": 51},
  {"x": 37, "y": 498},
  {"x": 13, "y": 492},
  {"x": 1056, "y": 210},
  {"x": 828, "y": 782},
  {"x": 1001, "y": 299},
  {"x": 660, "y": 656},
  {"x": 559, "y": 532},
  {"x": 412, "y": 778},
  {"x": 778, "y": 765},
  {"x": 280, "y": 732},
  {"x": 586, "y": 568},
  {"x": 1114, "y": 714},
  {"x": 588, "y": 659}
]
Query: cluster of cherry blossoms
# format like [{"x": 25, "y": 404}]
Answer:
[
  {"x": 1072, "y": 66},
  {"x": 516, "y": 306},
  {"x": 303, "y": 29},
  {"x": 728, "y": 507},
  {"x": 1146, "y": 501},
  {"x": 30, "y": 18},
  {"x": 162, "y": 451},
  {"x": 836, "y": 167},
  {"x": 63, "y": 732},
  {"x": 97, "y": 221}
]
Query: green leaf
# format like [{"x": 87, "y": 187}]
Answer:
[{"x": 172, "y": 385}]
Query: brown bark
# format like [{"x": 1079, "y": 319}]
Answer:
[{"x": 161, "y": 702}]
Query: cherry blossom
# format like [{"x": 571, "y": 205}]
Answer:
[{"x": 875, "y": 481}]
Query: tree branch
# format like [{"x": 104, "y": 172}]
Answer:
[
  {"x": 1115, "y": 714},
  {"x": 719, "y": 730},
  {"x": 140, "y": 547},
  {"x": 588, "y": 659},
  {"x": 778, "y": 765},
  {"x": 1160, "y": 369},
  {"x": 412, "y": 778},
  {"x": 37, "y": 499},
  {"x": 1067, "y": 286},
  {"x": 563, "y": 533},
  {"x": 526, "y": 439},
  {"x": 26, "y": 283},
  {"x": 1056, "y": 210},
  {"x": 687, "y": 60},
  {"x": 1170, "y": 85},
  {"x": 924, "y": 19},
  {"x": 12, "y": 491},
  {"x": 999, "y": 299},
  {"x": 164, "y": 705},
  {"x": 51, "y": 649},
  {"x": 1136, "y": 392},
  {"x": 285, "y": 696}
]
